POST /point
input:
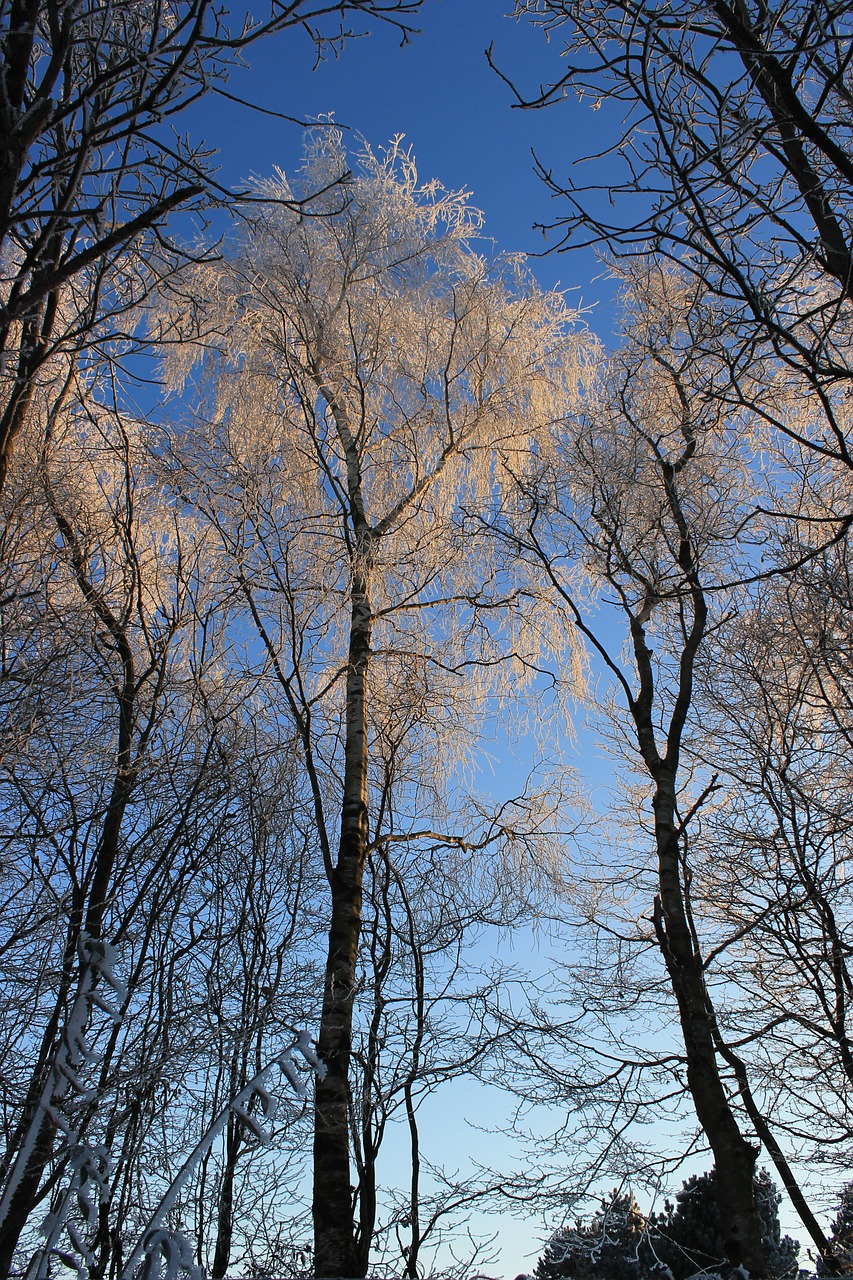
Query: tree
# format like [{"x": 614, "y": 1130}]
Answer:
[
  {"x": 736, "y": 162},
  {"x": 841, "y": 1232},
  {"x": 100, "y": 598},
  {"x": 688, "y": 1237},
  {"x": 612, "y": 1246},
  {"x": 362, "y": 371},
  {"x": 648, "y": 492},
  {"x": 90, "y": 168},
  {"x": 156, "y": 946},
  {"x": 780, "y": 832},
  {"x": 734, "y": 147},
  {"x": 424, "y": 1019},
  {"x": 255, "y": 979}
]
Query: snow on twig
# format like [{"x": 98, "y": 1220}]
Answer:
[{"x": 157, "y": 1247}]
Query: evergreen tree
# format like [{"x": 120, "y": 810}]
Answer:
[
  {"x": 688, "y": 1237},
  {"x": 620, "y": 1243},
  {"x": 612, "y": 1246},
  {"x": 841, "y": 1232}
]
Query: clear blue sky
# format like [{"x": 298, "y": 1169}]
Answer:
[{"x": 440, "y": 92}]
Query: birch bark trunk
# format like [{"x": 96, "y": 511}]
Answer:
[{"x": 335, "y": 1246}]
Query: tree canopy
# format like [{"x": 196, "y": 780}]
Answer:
[{"x": 399, "y": 513}]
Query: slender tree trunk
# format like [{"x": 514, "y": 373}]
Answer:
[
  {"x": 335, "y": 1252},
  {"x": 734, "y": 1157},
  {"x": 411, "y": 1113},
  {"x": 370, "y": 1121}
]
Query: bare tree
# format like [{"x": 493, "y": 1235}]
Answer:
[
  {"x": 648, "y": 494},
  {"x": 426, "y": 1017},
  {"x": 151, "y": 828},
  {"x": 780, "y": 832},
  {"x": 90, "y": 166},
  {"x": 365, "y": 369},
  {"x": 731, "y": 155},
  {"x": 98, "y": 689},
  {"x": 260, "y": 978}
]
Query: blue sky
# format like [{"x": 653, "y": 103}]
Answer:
[{"x": 441, "y": 93}]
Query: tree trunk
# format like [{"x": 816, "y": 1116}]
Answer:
[
  {"x": 335, "y": 1252},
  {"x": 225, "y": 1216},
  {"x": 734, "y": 1157}
]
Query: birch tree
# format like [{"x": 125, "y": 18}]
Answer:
[
  {"x": 365, "y": 379},
  {"x": 90, "y": 168}
]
